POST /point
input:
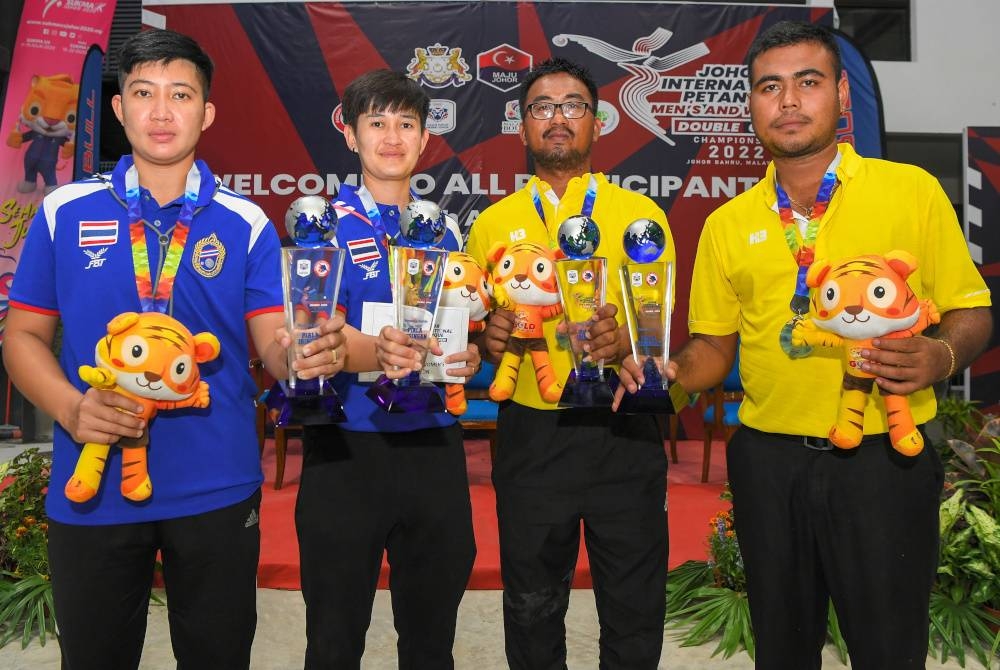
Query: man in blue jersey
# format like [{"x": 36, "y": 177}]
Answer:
[
  {"x": 379, "y": 481},
  {"x": 159, "y": 234}
]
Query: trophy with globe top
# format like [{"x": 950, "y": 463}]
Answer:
[
  {"x": 647, "y": 290},
  {"x": 582, "y": 279},
  {"x": 310, "y": 280},
  {"x": 417, "y": 270}
]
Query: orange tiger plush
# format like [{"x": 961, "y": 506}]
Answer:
[
  {"x": 523, "y": 280},
  {"x": 49, "y": 114},
  {"x": 464, "y": 286},
  {"x": 152, "y": 359},
  {"x": 858, "y": 299}
]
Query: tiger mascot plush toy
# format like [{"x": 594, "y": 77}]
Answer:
[
  {"x": 49, "y": 114},
  {"x": 856, "y": 300},
  {"x": 153, "y": 359},
  {"x": 523, "y": 280},
  {"x": 464, "y": 286}
]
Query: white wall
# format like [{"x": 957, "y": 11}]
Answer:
[{"x": 953, "y": 80}]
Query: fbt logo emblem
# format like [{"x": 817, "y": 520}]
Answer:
[
  {"x": 503, "y": 67},
  {"x": 441, "y": 116},
  {"x": 303, "y": 268}
]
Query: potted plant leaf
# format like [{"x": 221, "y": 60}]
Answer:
[
  {"x": 26, "y": 606},
  {"x": 965, "y": 602}
]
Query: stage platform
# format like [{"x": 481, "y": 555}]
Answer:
[{"x": 690, "y": 506}]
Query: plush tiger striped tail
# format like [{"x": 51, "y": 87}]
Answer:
[{"x": 454, "y": 399}]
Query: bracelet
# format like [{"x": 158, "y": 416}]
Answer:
[{"x": 951, "y": 352}]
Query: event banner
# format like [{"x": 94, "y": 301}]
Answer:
[
  {"x": 42, "y": 115},
  {"x": 982, "y": 212},
  {"x": 672, "y": 87}
]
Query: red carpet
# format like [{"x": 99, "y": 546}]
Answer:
[{"x": 691, "y": 504}]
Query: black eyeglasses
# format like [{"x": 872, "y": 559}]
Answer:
[{"x": 571, "y": 109}]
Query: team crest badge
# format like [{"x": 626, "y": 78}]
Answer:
[
  {"x": 438, "y": 66},
  {"x": 208, "y": 256}
]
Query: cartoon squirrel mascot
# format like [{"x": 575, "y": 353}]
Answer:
[
  {"x": 49, "y": 113},
  {"x": 855, "y": 300},
  {"x": 152, "y": 359},
  {"x": 523, "y": 280},
  {"x": 464, "y": 286}
]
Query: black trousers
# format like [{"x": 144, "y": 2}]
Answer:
[
  {"x": 856, "y": 526},
  {"x": 553, "y": 470},
  {"x": 102, "y": 576},
  {"x": 360, "y": 494}
]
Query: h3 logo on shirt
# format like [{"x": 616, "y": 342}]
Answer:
[{"x": 518, "y": 235}]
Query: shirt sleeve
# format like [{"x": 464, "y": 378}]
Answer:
[
  {"x": 714, "y": 307},
  {"x": 263, "y": 279},
  {"x": 34, "y": 284},
  {"x": 949, "y": 275}
]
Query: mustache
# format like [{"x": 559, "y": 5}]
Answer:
[
  {"x": 792, "y": 117},
  {"x": 560, "y": 129}
]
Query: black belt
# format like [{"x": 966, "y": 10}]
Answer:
[{"x": 820, "y": 443}]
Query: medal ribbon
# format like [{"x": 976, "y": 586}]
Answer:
[
  {"x": 373, "y": 213},
  {"x": 588, "y": 199},
  {"x": 804, "y": 248},
  {"x": 155, "y": 292}
]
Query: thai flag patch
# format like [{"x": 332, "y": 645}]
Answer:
[
  {"x": 98, "y": 233},
  {"x": 363, "y": 250}
]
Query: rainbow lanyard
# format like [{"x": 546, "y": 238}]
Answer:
[
  {"x": 374, "y": 215},
  {"x": 156, "y": 293},
  {"x": 588, "y": 199},
  {"x": 803, "y": 248}
]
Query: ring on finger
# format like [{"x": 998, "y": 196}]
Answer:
[{"x": 333, "y": 356}]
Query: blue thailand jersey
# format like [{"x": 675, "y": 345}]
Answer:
[
  {"x": 366, "y": 279},
  {"x": 77, "y": 263}
]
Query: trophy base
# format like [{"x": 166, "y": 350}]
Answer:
[
  {"x": 587, "y": 392},
  {"x": 399, "y": 399},
  {"x": 653, "y": 397},
  {"x": 310, "y": 403}
]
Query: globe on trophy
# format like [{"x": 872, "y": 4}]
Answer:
[
  {"x": 582, "y": 279},
  {"x": 310, "y": 280},
  {"x": 417, "y": 270},
  {"x": 648, "y": 290}
]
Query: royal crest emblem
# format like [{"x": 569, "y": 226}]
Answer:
[
  {"x": 438, "y": 66},
  {"x": 208, "y": 256}
]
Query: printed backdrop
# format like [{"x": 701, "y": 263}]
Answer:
[
  {"x": 49, "y": 118},
  {"x": 672, "y": 86},
  {"x": 982, "y": 212}
]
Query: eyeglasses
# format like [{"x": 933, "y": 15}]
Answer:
[{"x": 571, "y": 109}]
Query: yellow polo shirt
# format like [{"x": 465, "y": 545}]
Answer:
[
  {"x": 514, "y": 219},
  {"x": 744, "y": 278}
]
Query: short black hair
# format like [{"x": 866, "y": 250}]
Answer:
[
  {"x": 383, "y": 91},
  {"x": 555, "y": 66},
  {"x": 163, "y": 46},
  {"x": 790, "y": 33}
]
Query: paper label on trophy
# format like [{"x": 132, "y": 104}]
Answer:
[{"x": 451, "y": 329}]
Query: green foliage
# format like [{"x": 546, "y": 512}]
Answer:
[
  {"x": 966, "y": 594},
  {"x": 26, "y": 607}
]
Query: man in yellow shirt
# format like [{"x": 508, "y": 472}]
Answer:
[
  {"x": 555, "y": 467},
  {"x": 858, "y": 526}
]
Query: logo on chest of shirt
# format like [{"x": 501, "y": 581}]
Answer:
[
  {"x": 371, "y": 270},
  {"x": 96, "y": 234},
  {"x": 363, "y": 250},
  {"x": 208, "y": 256}
]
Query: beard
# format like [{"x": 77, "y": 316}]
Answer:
[{"x": 561, "y": 159}]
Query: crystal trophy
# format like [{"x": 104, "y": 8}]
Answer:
[
  {"x": 647, "y": 291},
  {"x": 417, "y": 270},
  {"x": 582, "y": 279},
  {"x": 310, "y": 281}
]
